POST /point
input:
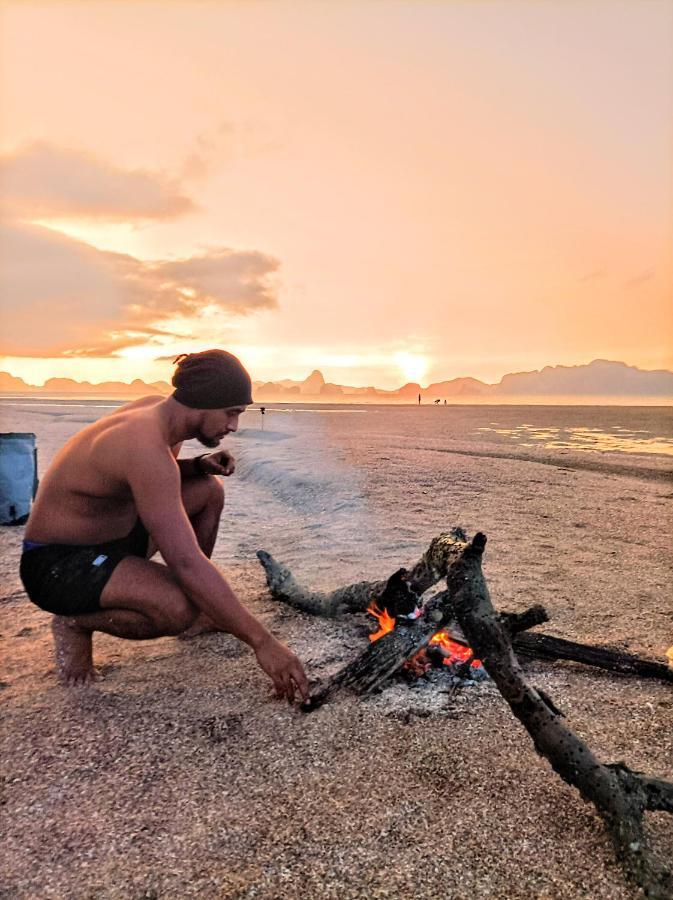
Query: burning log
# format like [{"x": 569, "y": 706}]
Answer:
[
  {"x": 430, "y": 568},
  {"x": 384, "y": 657},
  {"x": 620, "y": 795}
]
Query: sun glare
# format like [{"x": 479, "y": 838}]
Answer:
[{"x": 413, "y": 366}]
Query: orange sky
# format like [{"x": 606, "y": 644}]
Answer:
[{"x": 387, "y": 191}]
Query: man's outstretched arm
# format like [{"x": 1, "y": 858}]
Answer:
[{"x": 154, "y": 478}]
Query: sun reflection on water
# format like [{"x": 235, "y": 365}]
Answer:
[{"x": 618, "y": 439}]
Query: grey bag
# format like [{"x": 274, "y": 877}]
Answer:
[{"x": 18, "y": 476}]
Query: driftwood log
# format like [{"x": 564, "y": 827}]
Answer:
[
  {"x": 545, "y": 646},
  {"x": 430, "y": 568},
  {"x": 620, "y": 795}
]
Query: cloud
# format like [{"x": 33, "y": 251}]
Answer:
[
  {"x": 239, "y": 275},
  {"x": 595, "y": 275},
  {"x": 43, "y": 181},
  {"x": 62, "y": 296},
  {"x": 641, "y": 278},
  {"x": 210, "y": 147}
]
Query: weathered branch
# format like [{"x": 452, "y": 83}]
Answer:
[
  {"x": 620, "y": 795},
  {"x": 546, "y": 646},
  {"x": 429, "y": 569}
]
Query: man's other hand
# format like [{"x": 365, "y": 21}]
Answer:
[
  {"x": 219, "y": 463},
  {"x": 284, "y": 669}
]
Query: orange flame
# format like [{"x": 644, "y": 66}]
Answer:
[
  {"x": 458, "y": 652},
  {"x": 669, "y": 654},
  {"x": 386, "y": 622}
]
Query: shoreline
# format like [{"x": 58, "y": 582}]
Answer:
[{"x": 513, "y": 400}]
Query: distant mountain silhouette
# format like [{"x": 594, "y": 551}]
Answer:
[
  {"x": 12, "y": 384},
  {"x": 601, "y": 377}
]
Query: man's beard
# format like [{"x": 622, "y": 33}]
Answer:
[{"x": 209, "y": 442}]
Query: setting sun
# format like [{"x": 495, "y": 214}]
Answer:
[{"x": 412, "y": 366}]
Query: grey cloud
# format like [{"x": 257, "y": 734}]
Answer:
[
  {"x": 41, "y": 180},
  {"x": 241, "y": 275},
  {"x": 63, "y": 296}
]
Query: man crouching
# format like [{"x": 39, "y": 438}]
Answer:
[{"x": 114, "y": 495}]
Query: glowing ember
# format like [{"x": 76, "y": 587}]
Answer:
[
  {"x": 458, "y": 652},
  {"x": 455, "y": 652}
]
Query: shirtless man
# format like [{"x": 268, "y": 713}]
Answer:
[{"x": 115, "y": 494}]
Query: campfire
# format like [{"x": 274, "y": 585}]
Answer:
[
  {"x": 399, "y": 601},
  {"x": 415, "y": 639},
  {"x": 442, "y": 650}
]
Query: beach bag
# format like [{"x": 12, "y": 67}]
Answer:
[{"x": 18, "y": 476}]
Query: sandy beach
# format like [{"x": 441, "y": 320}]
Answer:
[{"x": 178, "y": 775}]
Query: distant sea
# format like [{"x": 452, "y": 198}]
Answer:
[
  {"x": 637, "y": 429},
  {"x": 325, "y": 486}
]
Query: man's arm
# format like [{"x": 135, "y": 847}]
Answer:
[
  {"x": 154, "y": 478},
  {"x": 220, "y": 462},
  {"x": 188, "y": 468}
]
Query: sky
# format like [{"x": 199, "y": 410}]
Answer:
[{"x": 386, "y": 191}]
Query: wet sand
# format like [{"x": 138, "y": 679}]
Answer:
[{"x": 179, "y": 776}]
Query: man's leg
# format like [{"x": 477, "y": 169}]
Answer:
[{"x": 141, "y": 601}]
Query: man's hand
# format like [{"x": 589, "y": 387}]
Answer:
[
  {"x": 283, "y": 668},
  {"x": 219, "y": 463}
]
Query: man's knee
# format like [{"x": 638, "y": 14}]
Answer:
[
  {"x": 177, "y": 615},
  {"x": 215, "y": 493}
]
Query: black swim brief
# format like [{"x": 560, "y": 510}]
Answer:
[{"x": 68, "y": 579}]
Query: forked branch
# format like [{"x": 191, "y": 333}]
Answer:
[{"x": 620, "y": 795}]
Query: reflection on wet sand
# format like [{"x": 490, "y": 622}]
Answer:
[{"x": 582, "y": 438}]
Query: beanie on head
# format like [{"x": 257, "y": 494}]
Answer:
[{"x": 212, "y": 379}]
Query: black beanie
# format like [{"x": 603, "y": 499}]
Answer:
[{"x": 212, "y": 379}]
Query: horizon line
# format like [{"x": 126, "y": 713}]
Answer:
[{"x": 384, "y": 391}]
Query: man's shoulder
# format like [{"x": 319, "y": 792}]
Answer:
[
  {"x": 134, "y": 444},
  {"x": 134, "y": 428},
  {"x": 141, "y": 402}
]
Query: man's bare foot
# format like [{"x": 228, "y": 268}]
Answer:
[
  {"x": 74, "y": 652},
  {"x": 201, "y": 625}
]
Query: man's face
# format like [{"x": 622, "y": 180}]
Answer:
[{"x": 217, "y": 423}]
